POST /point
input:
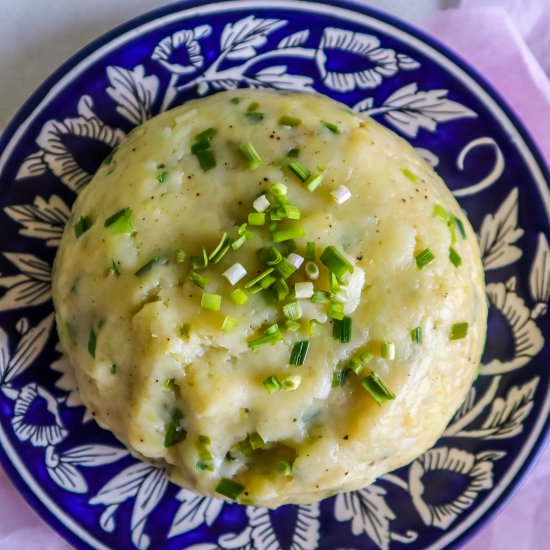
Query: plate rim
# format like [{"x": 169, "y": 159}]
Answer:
[{"x": 40, "y": 95}]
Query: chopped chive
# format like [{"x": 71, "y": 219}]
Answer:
[
  {"x": 202, "y": 149},
  {"x": 198, "y": 279},
  {"x": 312, "y": 270},
  {"x": 341, "y": 195},
  {"x": 211, "y": 302},
  {"x": 312, "y": 324},
  {"x": 206, "y": 159},
  {"x": 229, "y": 324},
  {"x": 303, "y": 290},
  {"x": 145, "y": 268},
  {"x": 330, "y": 126},
  {"x": 301, "y": 171},
  {"x": 229, "y": 488},
  {"x": 288, "y": 234},
  {"x": 237, "y": 243},
  {"x": 339, "y": 378},
  {"x": 261, "y": 204},
  {"x": 272, "y": 329},
  {"x": 254, "y": 117},
  {"x": 460, "y": 226},
  {"x": 173, "y": 431},
  {"x": 205, "y": 135},
  {"x": 366, "y": 356},
  {"x": 341, "y": 329},
  {"x": 181, "y": 255},
  {"x": 254, "y": 106},
  {"x": 250, "y": 154},
  {"x": 113, "y": 368},
  {"x": 387, "y": 350},
  {"x": 455, "y": 257},
  {"x": 71, "y": 333},
  {"x": 284, "y": 468},
  {"x": 292, "y": 310},
  {"x": 202, "y": 445},
  {"x": 416, "y": 335},
  {"x": 408, "y": 174},
  {"x": 288, "y": 212},
  {"x": 121, "y": 221},
  {"x": 161, "y": 176},
  {"x": 336, "y": 262},
  {"x": 355, "y": 366},
  {"x": 272, "y": 383},
  {"x": 293, "y": 153},
  {"x": 285, "y": 268},
  {"x": 281, "y": 288},
  {"x": 200, "y": 262},
  {"x": 256, "y": 218},
  {"x": 441, "y": 213},
  {"x": 320, "y": 297},
  {"x": 278, "y": 189},
  {"x": 183, "y": 330},
  {"x": 238, "y": 296},
  {"x": 269, "y": 255},
  {"x": 257, "y": 279},
  {"x": 113, "y": 267},
  {"x": 169, "y": 384},
  {"x": 290, "y": 383},
  {"x": 291, "y": 121},
  {"x": 292, "y": 326},
  {"x": 335, "y": 310},
  {"x": 271, "y": 338},
  {"x": 333, "y": 282},
  {"x": 219, "y": 247},
  {"x": 458, "y": 331},
  {"x": 424, "y": 258},
  {"x": 314, "y": 181},
  {"x": 295, "y": 259},
  {"x": 92, "y": 341},
  {"x": 299, "y": 352},
  {"x": 310, "y": 250},
  {"x": 82, "y": 225},
  {"x": 377, "y": 389}
]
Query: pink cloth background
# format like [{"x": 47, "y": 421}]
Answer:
[{"x": 509, "y": 44}]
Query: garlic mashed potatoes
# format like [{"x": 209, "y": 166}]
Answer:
[{"x": 271, "y": 296}]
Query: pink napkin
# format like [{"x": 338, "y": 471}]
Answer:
[{"x": 503, "y": 57}]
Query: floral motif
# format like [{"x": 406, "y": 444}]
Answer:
[
  {"x": 41, "y": 429},
  {"x": 477, "y": 471},
  {"x": 378, "y": 63},
  {"x": 169, "y": 49}
]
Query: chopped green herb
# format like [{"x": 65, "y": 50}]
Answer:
[
  {"x": 290, "y": 383},
  {"x": 250, "y": 154},
  {"x": 229, "y": 488},
  {"x": 229, "y": 324},
  {"x": 330, "y": 126},
  {"x": 257, "y": 279},
  {"x": 121, "y": 221},
  {"x": 198, "y": 279},
  {"x": 82, "y": 225},
  {"x": 281, "y": 288},
  {"x": 424, "y": 258},
  {"x": 71, "y": 333},
  {"x": 460, "y": 226},
  {"x": 335, "y": 310},
  {"x": 184, "y": 330},
  {"x": 416, "y": 335},
  {"x": 154, "y": 261},
  {"x": 387, "y": 350},
  {"x": 272, "y": 384},
  {"x": 92, "y": 341},
  {"x": 169, "y": 384},
  {"x": 314, "y": 181},
  {"x": 341, "y": 329},
  {"x": 310, "y": 250},
  {"x": 299, "y": 170},
  {"x": 161, "y": 176},
  {"x": 288, "y": 234},
  {"x": 238, "y": 296},
  {"x": 256, "y": 441},
  {"x": 458, "y": 331},
  {"x": 292, "y": 326},
  {"x": 455, "y": 257},
  {"x": 181, "y": 255},
  {"x": 269, "y": 255},
  {"x": 441, "y": 213},
  {"x": 113, "y": 267},
  {"x": 320, "y": 297},
  {"x": 237, "y": 243},
  {"x": 336, "y": 262},
  {"x": 219, "y": 247},
  {"x": 202, "y": 444},
  {"x": 254, "y": 106},
  {"x": 294, "y": 153},
  {"x": 271, "y": 338},
  {"x": 339, "y": 378},
  {"x": 173, "y": 431},
  {"x": 211, "y": 302},
  {"x": 299, "y": 352},
  {"x": 285, "y": 268},
  {"x": 254, "y": 117},
  {"x": 312, "y": 270},
  {"x": 200, "y": 262},
  {"x": 366, "y": 356},
  {"x": 408, "y": 174},
  {"x": 206, "y": 135},
  {"x": 284, "y": 468},
  {"x": 377, "y": 389},
  {"x": 355, "y": 366},
  {"x": 202, "y": 149},
  {"x": 204, "y": 465},
  {"x": 291, "y": 121},
  {"x": 113, "y": 368},
  {"x": 292, "y": 310},
  {"x": 256, "y": 218}
]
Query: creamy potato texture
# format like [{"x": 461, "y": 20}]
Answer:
[{"x": 176, "y": 371}]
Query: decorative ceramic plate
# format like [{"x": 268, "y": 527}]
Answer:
[{"x": 78, "y": 477}]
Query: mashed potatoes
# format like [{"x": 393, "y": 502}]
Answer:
[{"x": 271, "y": 296}]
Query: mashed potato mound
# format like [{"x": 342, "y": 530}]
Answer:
[{"x": 169, "y": 360}]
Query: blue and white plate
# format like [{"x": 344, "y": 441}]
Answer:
[{"x": 78, "y": 477}]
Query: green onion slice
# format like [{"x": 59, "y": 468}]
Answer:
[
  {"x": 341, "y": 329},
  {"x": 336, "y": 262},
  {"x": 330, "y": 126},
  {"x": 291, "y": 121},
  {"x": 284, "y": 468},
  {"x": 416, "y": 335},
  {"x": 377, "y": 389},
  {"x": 301, "y": 171},
  {"x": 148, "y": 266},
  {"x": 387, "y": 350},
  {"x": 408, "y": 174},
  {"x": 320, "y": 297},
  {"x": 250, "y": 154},
  {"x": 314, "y": 181},
  {"x": 200, "y": 262},
  {"x": 458, "y": 331},
  {"x": 173, "y": 430},
  {"x": 282, "y": 289},
  {"x": 256, "y": 218},
  {"x": 254, "y": 117},
  {"x": 299, "y": 352},
  {"x": 229, "y": 324},
  {"x": 257, "y": 279},
  {"x": 198, "y": 279},
  {"x": 288, "y": 234},
  {"x": 181, "y": 255},
  {"x": 238, "y": 296},
  {"x": 335, "y": 310},
  {"x": 339, "y": 378},
  {"x": 272, "y": 384},
  {"x": 292, "y": 310},
  {"x": 455, "y": 257},
  {"x": 161, "y": 176},
  {"x": 293, "y": 153},
  {"x": 82, "y": 225},
  {"x": 92, "y": 341},
  {"x": 229, "y": 488},
  {"x": 424, "y": 258},
  {"x": 121, "y": 221},
  {"x": 211, "y": 302},
  {"x": 219, "y": 247}
]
